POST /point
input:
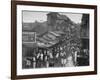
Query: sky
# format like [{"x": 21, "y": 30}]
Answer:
[{"x": 32, "y": 16}]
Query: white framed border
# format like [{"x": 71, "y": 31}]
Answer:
[{"x": 21, "y": 71}]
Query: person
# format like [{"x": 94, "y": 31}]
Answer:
[
  {"x": 51, "y": 58},
  {"x": 49, "y": 53},
  {"x": 69, "y": 61},
  {"x": 34, "y": 62},
  {"x": 39, "y": 58},
  {"x": 63, "y": 59},
  {"x": 28, "y": 63},
  {"x": 75, "y": 58},
  {"x": 47, "y": 61}
]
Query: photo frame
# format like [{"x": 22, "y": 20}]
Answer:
[{"x": 52, "y": 39}]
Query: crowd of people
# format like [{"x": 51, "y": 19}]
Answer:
[
  {"x": 60, "y": 55},
  {"x": 66, "y": 53}
]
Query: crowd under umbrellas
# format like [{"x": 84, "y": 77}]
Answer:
[
  {"x": 54, "y": 57},
  {"x": 61, "y": 54}
]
